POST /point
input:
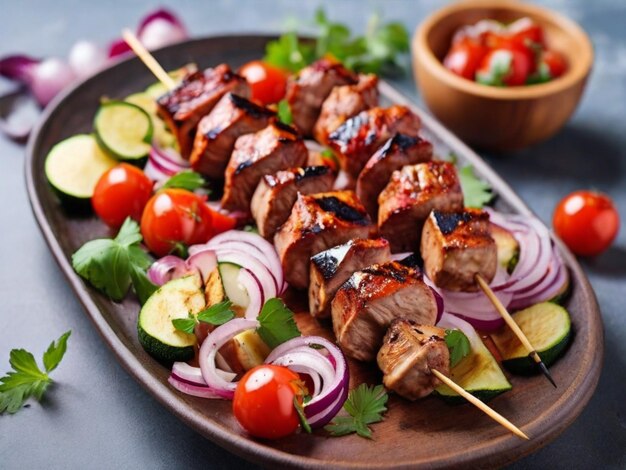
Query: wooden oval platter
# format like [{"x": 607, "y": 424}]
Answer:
[{"x": 427, "y": 433}]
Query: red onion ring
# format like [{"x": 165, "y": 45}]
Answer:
[
  {"x": 255, "y": 293},
  {"x": 252, "y": 264},
  {"x": 163, "y": 269}
]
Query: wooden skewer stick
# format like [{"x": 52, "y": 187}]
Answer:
[
  {"x": 480, "y": 405},
  {"x": 532, "y": 353},
  {"x": 148, "y": 59}
]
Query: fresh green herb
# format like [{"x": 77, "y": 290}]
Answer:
[
  {"x": 284, "y": 112},
  {"x": 112, "y": 265},
  {"x": 512, "y": 264},
  {"x": 300, "y": 410},
  {"x": 476, "y": 192},
  {"x": 542, "y": 75},
  {"x": 498, "y": 68},
  {"x": 26, "y": 379},
  {"x": 452, "y": 158},
  {"x": 458, "y": 344},
  {"x": 375, "y": 52},
  {"x": 217, "y": 314},
  {"x": 187, "y": 179},
  {"x": 328, "y": 154},
  {"x": 365, "y": 405},
  {"x": 277, "y": 323},
  {"x": 251, "y": 229}
]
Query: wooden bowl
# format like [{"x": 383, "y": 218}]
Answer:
[{"x": 491, "y": 117}]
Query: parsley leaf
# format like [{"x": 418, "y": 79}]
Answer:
[
  {"x": 187, "y": 179},
  {"x": 26, "y": 379},
  {"x": 458, "y": 344},
  {"x": 216, "y": 314},
  {"x": 113, "y": 265},
  {"x": 186, "y": 325},
  {"x": 476, "y": 192},
  {"x": 288, "y": 53},
  {"x": 284, "y": 112},
  {"x": 277, "y": 323},
  {"x": 365, "y": 405}
]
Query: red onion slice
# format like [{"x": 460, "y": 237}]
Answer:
[
  {"x": 205, "y": 262},
  {"x": 252, "y": 264},
  {"x": 255, "y": 293},
  {"x": 201, "y": 391},
  {"x": 164, "y": 269}
]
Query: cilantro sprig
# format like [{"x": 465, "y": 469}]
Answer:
[
  {"x": 276, "y": 323},
  {"x": 476, "y": 192},
  {"x": 365, "y": 405},
  {"x": 113, "y": 265},
  {"x": 216, "y": 314},
  {"x": 187, "y": 179},
  {"x": 27, "y": 379},
  {"x": 458, "y": 345}
]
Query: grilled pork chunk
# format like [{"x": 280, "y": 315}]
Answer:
[
  {"x": 359, "y": 137},
  {"x": 343, "y": 103},
  {"x": 408, "y": 354},
  {"x": 397, "y": 152},
  {"x": 276, "y": 194},
  {"x": 409, "y": 197},
  {"x": 367, "y": 303},
  {"x": 316, "y": 223},
  {"x": 331, "y": 268},
  {"x": 456, "y": 246},
  {"x": 184, "y": 106},
  {"x": 277, "y": 147},
  {"x": 307, "y": 91},
  {"x": 232, "y": 117}
]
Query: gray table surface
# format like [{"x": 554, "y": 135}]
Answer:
[{"x": 99, "y": 417}]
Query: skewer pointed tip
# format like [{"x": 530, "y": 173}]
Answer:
[{"x": 546, "y": 373}]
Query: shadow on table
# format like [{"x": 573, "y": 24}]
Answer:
[{"x": 611, "y": 263}]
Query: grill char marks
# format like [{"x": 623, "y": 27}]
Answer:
[
  {"x": 311, "y": 229},
  {"x": 398, "y": 151},
  {"x": 411, "y": 194},
  {"x": 332, "y": 267},
  {"x": 456, "y": 246},
  {"x": 371, "y": 299},
  {"x": 183, "y": 107},
  {"x": 232, "y": 117}
]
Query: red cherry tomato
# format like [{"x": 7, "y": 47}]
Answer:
[
  {"x": 527, "y": 33},
  {"x": 465, "y": 57},
  {"x": 494, "y": 71},
  {"x": 121, "y": 192},
  {"x": 556, "y": 63},
  {"x": 587, "y": 222},
  {"x": 222, "y": 222},
  {"x": 268, "y": 83},
  {"x": 264, "y": 401},
  {"x": 174, "y": 217}
]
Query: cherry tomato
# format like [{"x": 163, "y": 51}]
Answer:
[
  {"x": 493, "y": 72},
  {"x": 555, "y": 62},
  {"x": 587, "y": 222},
  {"x": 465, "y": 57},
  {"x": 174, "y": 217},
  {"x": 222, "y": 222},
  {"x": 268, "y": 83},
  {"x": 121, "y": 192},
  {"x": 264, "y": 401},
  {"x": 529, "y": 34}
]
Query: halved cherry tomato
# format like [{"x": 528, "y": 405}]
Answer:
[
  {"x": 268, "y": 83},
  {"x": 121, "y": 192},
  {"x": 222, "y": 222},
  {"x": 509, "y": 67},
  {"x": 556, "y": 63},
  {"x": 264, "y": 401},
  {"x": 465, "y": 57},
  {"x": 587, "y": 222},
  {"x": 175, "y": 218}
]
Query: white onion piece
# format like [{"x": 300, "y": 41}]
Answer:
[
  {"x": 255, "y": 293},
  {"x": 200, "y": 391},
  {"x": 86, "y": 58}
]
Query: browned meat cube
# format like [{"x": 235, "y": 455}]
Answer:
[
  {"x": 316, "y": 223},
  {"x": 356, "y": 140},
  {"x": 307, "y": 91},
  {"x": 331, "y": 268},
  {"x": 456, "y": 246},
  {"x": 399, "y": 151},
  {"x": 217, "y": 132},
  {"x": 184, "y": 106},
  {"x": 371, "y": 299},
  {"x": 277, "y": 147},
  {"x": 343, "y": 103},
  {"x": 409, "y": 197},
  {"x": 408, "y": 354},
  {"x": 276, "y": 194}
]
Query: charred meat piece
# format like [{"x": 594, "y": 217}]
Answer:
[
  {"x": 276, "y": 194},
  {"x": 307, "y": 91},
  {"x": 332, "y": 267},
  {"x": 356, "y": 140},
  {"x": 343, "y": 103},
  {"x": 367, "y": 303},
  {"x": 408, "y": 354},
  {"x": 232, "y": 117},
  {"x": 399, "y": 151},
  {"x": 409, "y": 197},
  {"x": 316, "y": 223},
  {"x": 277, "y": 147},
  {"x": 184, "y": 106},
  {"x": 456, "y": 246}
]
